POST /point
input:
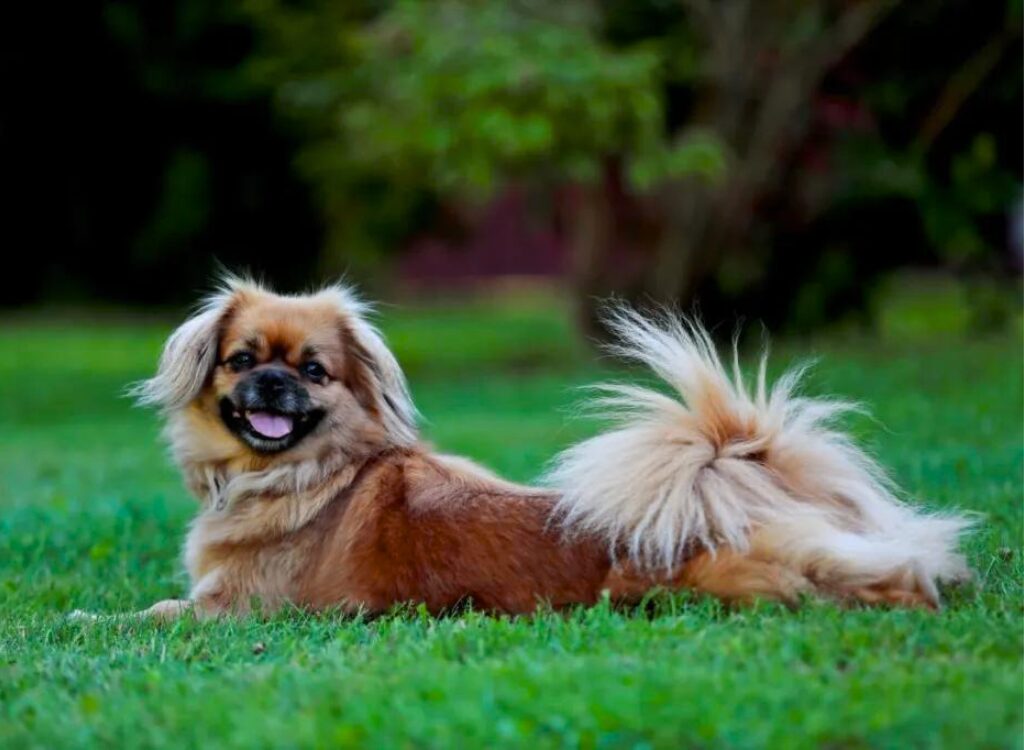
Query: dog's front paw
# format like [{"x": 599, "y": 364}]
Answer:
[
  {"x": 164, "y": 611},
  {"x": 80, "y": 615},
  {"x": 168, "y": 609}
]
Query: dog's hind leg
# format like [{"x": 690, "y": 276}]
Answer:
[
  {"x": 851, "y": 566},
  {"x": 738, "y": 578}
]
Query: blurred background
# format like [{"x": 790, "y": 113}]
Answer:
[
  {"x": 831, "y": 164},
  {"x": 847, "y": 173}
]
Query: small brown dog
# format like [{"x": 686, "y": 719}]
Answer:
[{"x": 293, "y": 425}]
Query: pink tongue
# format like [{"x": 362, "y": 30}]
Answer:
[{"x": 269, "y": 425}]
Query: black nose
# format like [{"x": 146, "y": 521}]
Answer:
[
  {"x": 272, "y": 388},
  {"x": 273, "y": 383}
]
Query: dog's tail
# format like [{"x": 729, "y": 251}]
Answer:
[{"x": 723, "y": 464}]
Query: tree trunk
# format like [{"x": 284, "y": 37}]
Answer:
[
  {"x": 589, "y": 231},
  {"x": 607, "y": 234},
  {"x": 757, "y": 97}
]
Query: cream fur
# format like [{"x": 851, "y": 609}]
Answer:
[
  {"x": 246, "y": 503},
  {"x": 760, "y": 473},
  {"x": 190, "y": 354},
  {"x": 763, "y": 471},
  {"x": 208, "y": 456}
]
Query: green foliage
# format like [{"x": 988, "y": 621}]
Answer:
[
  {"x": 978, "y": 187},
  {"x": 950, "y": 207},
  {"x": 465, "y": 92},
  {"x": 697, "y": 152},
  {"x": 92, "y": 515},
  {"x": 913, "y": 305},
  {"x": 182, "y": 210},
  {"x": 462, "y": 94},
  {"x": 945, "y": 140},
  {"x": 411, "y": 102}
]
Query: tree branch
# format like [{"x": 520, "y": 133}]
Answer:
[{"x": 961, "y": 85}]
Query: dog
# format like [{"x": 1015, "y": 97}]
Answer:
[{"x": 293, "y": 425}]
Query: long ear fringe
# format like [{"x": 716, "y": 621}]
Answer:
[
  {"x": 398, "y": 412},
  {"x": 190, "y": 354},
  {"x": 191, "y": 351}
]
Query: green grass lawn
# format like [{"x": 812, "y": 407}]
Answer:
[{"x": 92, "y": 516}]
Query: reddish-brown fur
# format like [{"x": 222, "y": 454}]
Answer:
[
  {"x": 359, "y": 519},
  {"x": 385, "y": 543}
]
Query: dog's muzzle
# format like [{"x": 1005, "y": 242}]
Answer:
[{"x": 270, "y": 410}]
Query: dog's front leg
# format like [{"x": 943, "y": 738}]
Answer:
[
  {"x": 208, "y": 599},
  {"x": 201, "y": 606},
  {"x": 164, "y": 611},
  {"x": 169, "y": 609}
]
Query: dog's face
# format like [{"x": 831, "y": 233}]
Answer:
[
  {"x": 283, "y": 365},
  {"x": 274, "y": 376}
]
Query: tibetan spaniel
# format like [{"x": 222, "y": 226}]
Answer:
[{"x": 294, "y": 428}]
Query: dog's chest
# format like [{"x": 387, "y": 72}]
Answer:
[{"x": 231, "y": 572}]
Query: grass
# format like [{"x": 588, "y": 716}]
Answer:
[{"x": 92, "y": 516}]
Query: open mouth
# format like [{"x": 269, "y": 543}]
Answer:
[
  {"x": 268, "y": 431},
  {"x": 269, "y": 425}
]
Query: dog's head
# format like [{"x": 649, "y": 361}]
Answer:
[{"x": 271, "y": 375}]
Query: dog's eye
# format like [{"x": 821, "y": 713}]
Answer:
[
  {"x": 313, "y": 370},
  {"x": 241, "y": 361}
]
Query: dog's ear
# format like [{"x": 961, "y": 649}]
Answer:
[
  {"x": 373, "y": 374},
  {"x": 381, "y": 383},
  {"x": 188, "y": 358}
]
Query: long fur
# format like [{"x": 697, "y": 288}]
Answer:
[
  {"x": 191, "y": 351},
  {"x": 189, "y": 357},
  {"x": 760, "y": 470},
  {"x": 732, "y": 491}
]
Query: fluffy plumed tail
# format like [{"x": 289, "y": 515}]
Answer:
[{"x": 721, "y": 463}]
